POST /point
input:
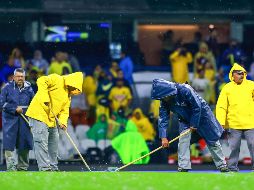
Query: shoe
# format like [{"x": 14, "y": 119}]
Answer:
[
  {"x": 183, "y": 170},
  {"x": 224, "y": 169},
  {"x": 233, "y": 170},
  {"x": 56, "y": 170}
]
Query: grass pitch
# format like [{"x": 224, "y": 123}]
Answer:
[{"x": 125, "y": 181}]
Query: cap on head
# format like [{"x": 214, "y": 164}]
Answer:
[{"x": 238, "y": 71}]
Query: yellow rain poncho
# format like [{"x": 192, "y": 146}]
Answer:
[
  {"x": 235, "y": 106},
  {"x": 144, "y": 125},
  {"x": 52, "y": 89}
]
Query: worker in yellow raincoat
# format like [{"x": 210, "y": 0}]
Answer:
[
  {"x": 52, "y": 98},
  {"x": 235, "y": 110}
]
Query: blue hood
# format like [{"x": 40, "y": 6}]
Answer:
[{"x": 162, "y": 88}]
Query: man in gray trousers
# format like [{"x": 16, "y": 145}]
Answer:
[
  {"x": 15, "y": 97},
  {"x": 52, "y": 100},
  {"x": 235, "y": 110},
  {"x": 192, "y": 112}
]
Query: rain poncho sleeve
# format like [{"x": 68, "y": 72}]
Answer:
[
  {"x": 163, "y": 120},
  {"x": 5, "y": 105},
  {"x": 222, "y": 107},
  {"x": 195, "y": 104},
  {"x": 64, "y": 113}
]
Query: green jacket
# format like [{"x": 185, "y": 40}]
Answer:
[
  {"x": 99, "y": 130},
  {"x": 130, "y": 145}
]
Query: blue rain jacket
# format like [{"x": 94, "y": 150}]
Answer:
[
  {"x": 191, "y": 109},
  {"x": 16, "y": 132}
]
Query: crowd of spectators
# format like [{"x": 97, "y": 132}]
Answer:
[{"x": 106, "y": 104}]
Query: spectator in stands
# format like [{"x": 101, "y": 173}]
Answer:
[
  {"x": 201, "y": 85},
  {"x": 168, "y": 45},
  {"x": 251, "y": 72},
  {"x": 233, "y": 54},
  {"x": 126, "y": 65},
  {"x": 120, "y": 96},
  {"x": 130, "y": 145},
  {"x": 180, "y": 59},
  {"x": 33, "y": 75},
  {"x": 52, "y": 100},
  {"x": 210, "y": 76},
  {"x": 220, "y": 82},
  {"x": 202, "y": 57},
  {"x": 89, "y": 88},
  {"x": 117, "y": 123},
  {"x": 103, "y": 107},
  {"x": 192, "y": 111},
  {"x": 154, "y": 108},
  {"x": 167, "y": 41},
  {"x": 14, "y": 100},
  {"x": 212, "y": 41},
  {"x": 114, "y": 69},
  {"x": 105, "y": 84},
  {"x": 234, "y": 110},
  {"x": 197, "y": 39},
  {"x": 39, "y": 62},
  {"x": 99, "y": 130},
  {"x": 59, "y": 65},
  {"x": 19, "y": 61},
  {"x": 143, "y": 125},
  {"x": 74, "y": 62},
  {"x": 8, "y": 69},
  {"x": 79, "y": 109},
  {"x": 113, "y": 126},
  {"x": 96, "y": 73},
  {"x": 120, "y": 76}
]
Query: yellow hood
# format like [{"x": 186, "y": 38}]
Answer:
[
  {"x": 75, "y": 80},
  {"x": 138, "y": 110},
  {"x": 203, "y": 45},
  {"x": 144, "y": 125},
  {"x": 239, "y": 68}
]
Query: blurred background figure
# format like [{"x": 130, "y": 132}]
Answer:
[
  {"x": 179, "y": 61},
  {"x": 130, "y": 145},
  {"x": 145, "y": 128},
  {"x": 168, "y": 45},
  {"x": 39, "y": 62},
  {"x": 59, "y": 64},
  {"x": 201, "y": 85},
  {"x": 233, "y": 54},
  {"x": 126, "y": 65},
  {"x": 120, "y": 96},
  {"x": 99, "y": 130},
  {"x": 19, "y": 61},
  {"x": 8, "y": 70}
]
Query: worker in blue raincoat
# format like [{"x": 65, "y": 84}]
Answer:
[
  {"x": 193, "y": 112},
  {"x": 15, "y": 97}
]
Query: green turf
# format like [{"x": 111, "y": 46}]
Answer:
[{"x": 125, "y": 181}]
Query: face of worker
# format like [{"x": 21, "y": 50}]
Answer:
[
  {"x": 19, "y": 78},
  {"x": 137, "y": 115},
  {"x": 238, "y": 76},
  {"x": 73, "y": 91},
  {"x": 168, "y": 98}
]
